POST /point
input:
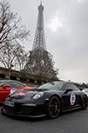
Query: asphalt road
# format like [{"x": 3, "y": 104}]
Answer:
[{"x": 71, "y": 122}]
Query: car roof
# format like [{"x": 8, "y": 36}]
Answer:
[
  {"x": 10, "y": 80},
  {"x": 65, "y": 82}
]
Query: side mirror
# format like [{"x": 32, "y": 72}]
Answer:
[
  {"x": 68, "y": 90},
  {"x": 6, "y": 86}
]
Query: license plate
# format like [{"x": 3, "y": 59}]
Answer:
[{"x": 9, "y": 103}]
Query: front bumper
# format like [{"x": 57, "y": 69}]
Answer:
[{"x": 24, "y": 110}]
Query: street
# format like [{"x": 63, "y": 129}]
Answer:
[{"x": 70, "y": 122}]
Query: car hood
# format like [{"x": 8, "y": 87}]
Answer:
[
  {"x": 24, "y": 88},
  {"x": 26, "y": 93}
]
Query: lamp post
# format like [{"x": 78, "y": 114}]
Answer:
[{"x": 10, "y": 70}]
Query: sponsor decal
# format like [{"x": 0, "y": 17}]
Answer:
[
  {"x": 72, "y": 99},
  {"x": 20, "y": 94}
]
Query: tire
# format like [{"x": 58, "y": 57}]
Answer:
[
  {"x": 84, "y": 102},
  {"x": 3, "y": 111},
  {"x": 53, "y": 107}
]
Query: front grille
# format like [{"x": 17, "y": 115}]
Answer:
[
  {"x": 10, "y": 109},
  {"x": 27, "y": 110},
  {"x": 15, "y": 109},
  {"x": 32, "y": 110}
]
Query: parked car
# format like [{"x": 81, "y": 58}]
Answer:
[
  {"x": 85, "y": 90},
  {"x": 9, "y": 86},
  {"x": 49, "y": 99}
]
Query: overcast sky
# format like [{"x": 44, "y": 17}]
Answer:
[{"x": 66, "y": 31}]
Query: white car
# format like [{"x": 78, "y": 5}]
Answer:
[{"x": 85, "y": 90}]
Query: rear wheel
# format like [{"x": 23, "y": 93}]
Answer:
[
  {"x": 85, "y": 102},
  {"x": 54, "y": 107}
]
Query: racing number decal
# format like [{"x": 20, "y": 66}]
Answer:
[{"x": 72, "y": 99}]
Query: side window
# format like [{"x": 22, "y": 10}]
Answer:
[
  {"x": 67, "y": 86},
  {"x": 70, "y": 86},
  {"x": 75, "y": 88}
]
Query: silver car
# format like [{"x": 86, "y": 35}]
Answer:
[{"x": 85, "y": 90}]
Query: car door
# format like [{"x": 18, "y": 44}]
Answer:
[{"x": 69, "y": 96}]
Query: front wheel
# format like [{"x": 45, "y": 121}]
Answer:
[
  {"x": 84, "y": 102},
  {"x": 54, "y": 107}
]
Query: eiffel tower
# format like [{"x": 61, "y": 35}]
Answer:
[
  {"x": 39, "y": 40},
  {"x": 40, "y": 61}
]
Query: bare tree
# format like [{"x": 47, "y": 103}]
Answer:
[
  {"x": 40, "y": 64},
  {"x": 22, "y": 58},
  {"x": 10, "y": 25},
  {"x": 11, "y": 55}
]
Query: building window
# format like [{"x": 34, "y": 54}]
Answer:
[{"x": 2, "y": 76}]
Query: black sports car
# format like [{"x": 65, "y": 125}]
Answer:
[{"x": 49, "y": 99}]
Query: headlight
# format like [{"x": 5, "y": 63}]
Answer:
[
  {"x": 12, "y": 91},
  {"x": 38, "y": 95}
]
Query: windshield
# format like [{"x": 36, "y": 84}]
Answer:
[
  {"x": 13, "y": 84},
  {"x": 52, "y": 85},
  {"x": 2, "y": 82}
]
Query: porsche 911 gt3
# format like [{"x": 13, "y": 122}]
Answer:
[{"x": 49, "y": 100}]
